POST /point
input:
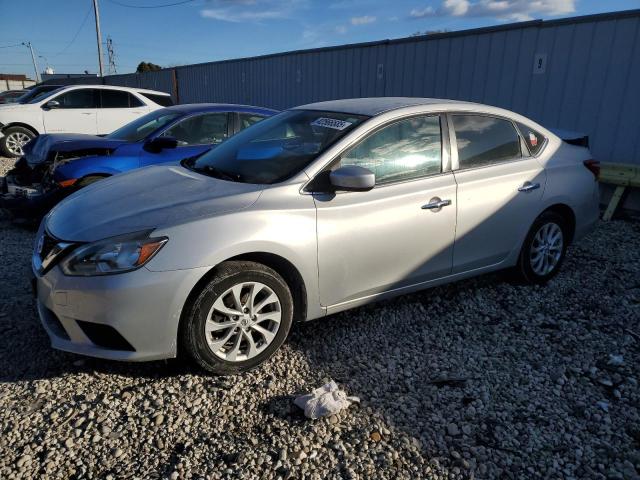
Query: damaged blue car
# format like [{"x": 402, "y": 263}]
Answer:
[{"x": 56, "y": 165}]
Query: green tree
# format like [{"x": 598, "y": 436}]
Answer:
[{"x": 147, "y": 67}]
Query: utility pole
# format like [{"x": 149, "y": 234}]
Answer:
[
  {"x": 96, "y": 11},
  {"x": 33, "y": 58}
]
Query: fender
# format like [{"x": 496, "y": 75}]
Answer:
[{"x": 97, "y": 165}]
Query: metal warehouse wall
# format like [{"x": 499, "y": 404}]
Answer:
[{"x": 580, "y": 74}]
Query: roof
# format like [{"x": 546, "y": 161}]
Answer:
[
  {"x": 205, "y": 107},
  {"x": 376, "y": 105},
  {"x": 117, "y": 87}
]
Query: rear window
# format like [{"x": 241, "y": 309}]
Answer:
[
  {"x": 534, "y": 140},
  {"x": 248, "y": 119},
  {"x": 118, "y": 99},
  {"x": 484, "y": 140},
  {"x": 164, "y": 100}
]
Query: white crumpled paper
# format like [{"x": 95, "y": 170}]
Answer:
[{"x": 324, "y": 401}]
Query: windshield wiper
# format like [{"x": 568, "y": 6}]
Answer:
[
  {"x": 216, "y": 172},
  {"x": 189, "y": 162}
]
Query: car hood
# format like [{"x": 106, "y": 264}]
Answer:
[
  {"x": 146, "y": 198},
  {"x": 38, "y": 150}
]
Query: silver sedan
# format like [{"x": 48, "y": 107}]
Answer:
[{"x": 316, "y": 210}]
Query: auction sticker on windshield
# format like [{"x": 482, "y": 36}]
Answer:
[{"x": 330, "y": 123}]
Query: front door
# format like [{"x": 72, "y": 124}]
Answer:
[
  {"x": 499, "y": 190},
  {"x": 76, "y": 112},
  {"x": 391, "y": 236}
]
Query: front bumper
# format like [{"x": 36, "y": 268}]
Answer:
[
  {"x": 132, "y": 316},
  {"x": 29, "y": 202}
]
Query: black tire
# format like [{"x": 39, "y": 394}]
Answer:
[
  {"x": 10, "y": 133},
  {"x": 192, "y": 328},
  {"x": 525, "y": 271}
]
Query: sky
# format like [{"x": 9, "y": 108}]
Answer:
[{"x": 180, "y": 32}]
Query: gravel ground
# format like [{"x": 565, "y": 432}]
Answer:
[
  {"x": 5, "y": 165},
  {"x": 479, "y": 379}
]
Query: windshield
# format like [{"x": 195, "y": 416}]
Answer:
[
  {"x": 36, "y": 95},
  {"x": 276, "y": 148},
  {"x": 140, "y": 128}
]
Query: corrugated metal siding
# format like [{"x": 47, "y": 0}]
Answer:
[{"x": 591, "y": 82}]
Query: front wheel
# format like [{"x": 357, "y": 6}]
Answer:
[
  {"x": 239, "y": 319},
  {"x": 544, "y": 249},
  {"x": 15, "y": 138}
]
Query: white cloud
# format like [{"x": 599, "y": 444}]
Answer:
[
  {"x": 363, "y": 20},
  {"x": 422, "y": 12},
  {"x": 456, "y": 7},
  {"x": 249, "y": 11},
  {"x": 341, "y": 29},
  {"x": 229, "y": 15},
  {"x": 518, "y": 10}
]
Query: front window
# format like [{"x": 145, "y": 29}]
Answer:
[
  {"x": 404, "y": 150},
  {"x": 276, "y": 148},
  {"x": 140, "y": 128},
  {"x": 80, "y": 98}
]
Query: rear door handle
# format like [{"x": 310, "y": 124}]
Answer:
[
  {"x": 435, "y": 204},
  {"x": 528, "y": 186}
]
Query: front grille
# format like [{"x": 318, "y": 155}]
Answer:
[{"x": 105, "y": 336}]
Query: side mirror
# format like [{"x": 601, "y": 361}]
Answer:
[
  {"x": 352, "y": 178},
  {"x": 51, "y": 104},
  {"x": 158, "y": 144}
]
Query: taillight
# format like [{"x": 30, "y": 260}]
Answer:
[{"x": 593, "y": 166}]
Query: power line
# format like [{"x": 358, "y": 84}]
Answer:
[
  {"x": 11, "y": 46},
  {"x": 76, "y": 35},
  {"x": 151, "y": 6}
]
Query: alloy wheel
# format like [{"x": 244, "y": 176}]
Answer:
[
  {"x": 546, "y": 249},
  {"x": 243, "y": 321},
  {"x": 15, "y": 141}
]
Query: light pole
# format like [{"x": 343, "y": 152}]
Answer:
[
  {"x": 33, "y": 58},
  {"x": 96, "y": 11}
]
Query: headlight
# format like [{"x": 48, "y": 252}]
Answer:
[{"x": 113, "y": 255}]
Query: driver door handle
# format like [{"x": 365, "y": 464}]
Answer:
[
  {"x": 436, "y": 204},
  {"x": 528, "y": 186}
]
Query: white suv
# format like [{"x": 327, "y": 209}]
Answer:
[{"x": 89, "y": 109}]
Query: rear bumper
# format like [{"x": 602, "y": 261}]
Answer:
[{"x": 588, "y": 214}]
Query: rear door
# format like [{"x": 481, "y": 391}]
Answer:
[
  {"x": 76, "y": 113},
  {"x": 117, "y": 108},
  {"x": 500, "y": 189},
  {"x": 195, "y": 134}
]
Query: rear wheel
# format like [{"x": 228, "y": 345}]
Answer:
[
  {"x": 239, "y": 320},
  {"x": 14, "y": 139},
  {"x": 544, "y": 249}
]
